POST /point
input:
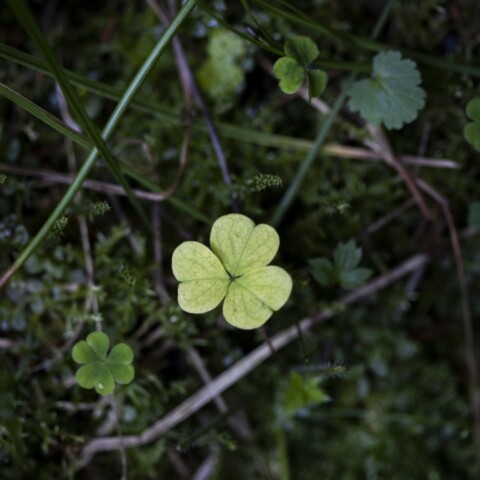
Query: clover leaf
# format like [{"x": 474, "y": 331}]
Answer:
[
  {"x": 100, "y": 371},
  {"x": 471, "y": 131},
  {"x": 343, "y": 270},
  {"x": 236, "y": 271},
  {"x": 292, "y": 69},
  {"x": 393, "y": 96}
]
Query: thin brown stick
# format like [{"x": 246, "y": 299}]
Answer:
[
  {"x": 385, "y": 149},
  {"x": 470, "y": 354},
  {"x": 386, "y": 219},
  {"x": 189, "y": 84},
  {"x": 159, "y": 276},
  {"x": 98, "y": 186},
  {"x": 244, "y": 366}
]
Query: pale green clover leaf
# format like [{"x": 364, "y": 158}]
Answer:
[
  {"x": 292, "y": 69},
  {"x": 100, "y": 371},
  {"x": 471, "y": 131},
  {"x": 393, "y": 96},
  {"x": 235, "y": 270}
]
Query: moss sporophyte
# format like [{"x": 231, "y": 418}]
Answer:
[{"x": 235, "y": 270}]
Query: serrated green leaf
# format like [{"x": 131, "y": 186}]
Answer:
[
  {"x": 393, "y": 96},
  {"x": 354, "y": 278},
  {"x": 235, "y": 271},
  {"x": 473, "y": 109},
  {"x": 301, "y": 393},
  {"x": 290, "y": 73},
  {"x": 323, "y": 271},
  {"x": 302, "y": 49},
  {"x": 317, "y": 82},
  {"x": 347, "y": 256}
]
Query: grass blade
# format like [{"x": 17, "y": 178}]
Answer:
[
  {"x": 370, "y": 44},
  {"x": 25, "y": 17},
  {"x": 44, "y": 116},
  {"x": 226, "y": 130},
  {"x": 82, "y": 174}
]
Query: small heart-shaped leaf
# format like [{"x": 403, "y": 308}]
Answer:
[
  {"x": 302, "y": 49},
  {"x": 291, "y": 69},
  {"x": 473, "y": 109},
  {"x": 290, "y": 73},
  {"x": 317, "y": 82}
]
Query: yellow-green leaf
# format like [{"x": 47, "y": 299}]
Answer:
[
  {"x": 204, "y": 281},
  {"x": 290, "y": 73},
  {"x": 235, "y": 271},
  {"x": 252, "y": 298},
  {"x": 242, "y": 246}
]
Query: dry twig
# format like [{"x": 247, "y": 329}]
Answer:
[{"x": 244, "y": 366}]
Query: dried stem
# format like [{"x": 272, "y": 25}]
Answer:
[
  {"x": 242, "y": 368},
  {"x": 189, "y": 85},
  {"x": 470, "y": 354},
  {"x": 384, "y": 148}
]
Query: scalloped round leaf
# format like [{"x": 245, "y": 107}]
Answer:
[
  {"x": 302, "y": 49},
  {"x": 83, "y": 353},
  {"x": 242, "y": 246},
  {"x": 393, "y": 96},
  {"x": 471, "y": 132},
  {"x": 96, "y": 375},
  {"x": 473, "y": 109},
  {"x": 121, "y": 354},
  {"x": 252, "y": 298},
  {"x": 317, "y": 82},
  {"x": 122, "y": 374},
  {"x": 290, "y": 73},
  {"x": 99, "y": 342}
]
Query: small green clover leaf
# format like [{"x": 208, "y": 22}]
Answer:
[
  {"x": 343, "y": 270},
  {"x": 99, "y": 370},
  {"x": 292, "y": 69},
  {"x": 236, "y": 271},
  {"x": 471, "y": 131},
  {"x": 393, "y": 96}
]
